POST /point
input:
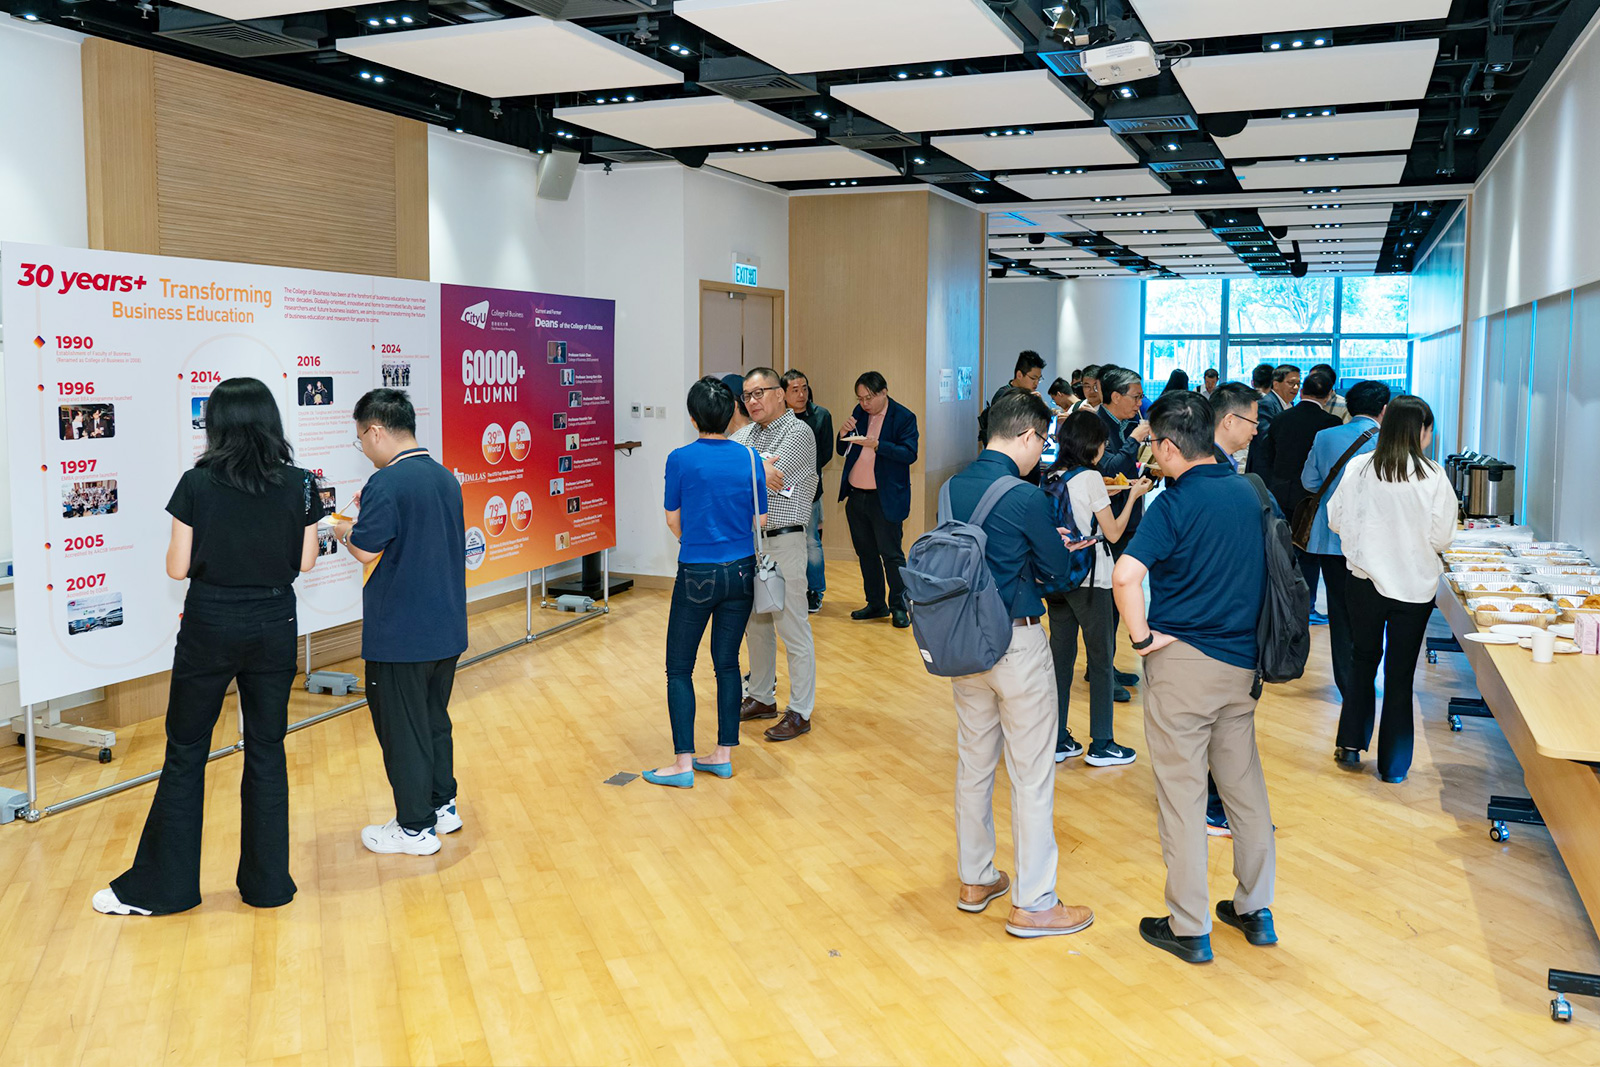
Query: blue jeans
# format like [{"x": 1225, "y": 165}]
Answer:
[
  {"x": 721, "y": 594},
  {"x": 816, "y": 572}
]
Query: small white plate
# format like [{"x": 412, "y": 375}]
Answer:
[
  {"x": 1563, "y": 648},
  {"x": 1490, "y": 638},
  {"x": 1565, "y": 629},
  {"x": 1515, "y": 629}
]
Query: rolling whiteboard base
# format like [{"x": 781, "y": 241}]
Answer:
[
  {"x": 596, "y": 583},
  {"x": 48, "y": 724}
]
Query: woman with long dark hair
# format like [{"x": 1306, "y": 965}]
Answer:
[
  {"x": 1073, "y": 482},
  {"x": 1394, "y": 512},
  {"x": 244, "y": 526},
  {"x": 716, "y": 493}
]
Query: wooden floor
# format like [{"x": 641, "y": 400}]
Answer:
[{"x": 802, "y": 912}]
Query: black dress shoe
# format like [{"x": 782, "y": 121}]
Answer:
[
  {"x": 1347, "y": 757},
  {"x": 1126, "y": 678},
  {"x": 1188, "y": 949},
  {"x": 902, "y": 618},
  {"x": 870, "y": 612},
  {"x": 1121, "y": 695},
  {"x": 1256, "y": 925}
]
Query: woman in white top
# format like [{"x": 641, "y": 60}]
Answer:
[
  {"x": 1394, "y": 512},
  {"x": 1073, "y": 478}
]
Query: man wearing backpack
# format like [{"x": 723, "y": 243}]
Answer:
[
  {"x": 1012, "y": 705},
  {"x": 1203, "y": 548}
]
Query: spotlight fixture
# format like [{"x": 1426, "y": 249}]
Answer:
[
  {"x": 902, "y": 75},
  {"x": 1469, "y": 123},
  {"x": 374, "y": 22},
  {"x": 938, "y": 73},
  {"x": 919, "y": 161},
  {"x": 1499, "y": 52},
  {"x": 1036, "y": 238},
  {"x": 1127, "y": 92},
  {"x": 819, "y": 115}
]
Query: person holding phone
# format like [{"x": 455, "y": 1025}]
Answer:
[
  {"x": 1074, "y": 480},
  {"x": 244, "y": 526},
  {"x": 879, "y": 444}
]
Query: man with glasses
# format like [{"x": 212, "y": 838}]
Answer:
[
  {"x": 1126, "y": 433},
  {"x": 879, "y": 444},
  {"x": 789, "y": 451},
  {"x": 797, "y": 394}
]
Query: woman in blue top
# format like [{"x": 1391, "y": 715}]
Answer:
[{"x": 716, "y": 493}]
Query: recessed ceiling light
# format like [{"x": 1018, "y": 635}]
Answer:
[
  {"x": 938, "y": 73},
  {"x": 902, "y": 75},
  {"x": 819, "y": 114},
  {"x": 918, "y": 159},
  {"x": 378, "y": 79},
  {"x": 391, "y": 21},
  {"x": 407, "y": 19},
  {"x": 366, "y": 75},
  {"x": 374, "y": 22}
]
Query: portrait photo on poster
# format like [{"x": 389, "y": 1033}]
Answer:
[
  {"x": 567, "y": 376},
  {"x": 564, "y": 464},
  {"x": 84, "y": 422},
  {"x": 575, "y": 399},
  {"x": 563, "y": 542},
  {"x": 558, "y": 486},
  {"x": 560, "y": 421},
  {"x": 315, "y": 392},
  {"x": 80, "y": 499},
  {"x": 555, "y": 352},
  {"x": 572, "y": 442},
  {"x": 573, "y": 505}
]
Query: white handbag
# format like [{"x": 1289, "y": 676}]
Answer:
[{"x": 769, "y": 588}]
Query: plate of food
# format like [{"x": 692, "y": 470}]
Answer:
[
  {"x": 1483, "y": 585},
  {"x": 1117, "y": 484}
]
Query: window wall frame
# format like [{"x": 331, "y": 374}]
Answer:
[{"x": 1229, "y": 340}]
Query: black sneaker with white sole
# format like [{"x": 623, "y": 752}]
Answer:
[
  {"x": 1067, "y": 749},
  {"x": 1109, "y": 754}
]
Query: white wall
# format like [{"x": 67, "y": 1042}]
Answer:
[
  {"x": 1018, "y": 315},
  {"x": 1099, "y": 322},
  {"x": 1534, "y": 214}
]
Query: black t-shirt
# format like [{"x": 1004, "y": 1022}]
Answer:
[{"x": 245, "y": 540}]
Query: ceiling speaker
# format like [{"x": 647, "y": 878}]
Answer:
[{"x": 556, "y": 173}]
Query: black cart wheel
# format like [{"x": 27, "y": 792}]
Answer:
[
  {"x": 22, "y": 740},
  {"x": 1433, "y": 657},
  {"x": 1455, "y": 724},
  {"x": 105, "y": 755},
  {"x": 1561, "y": 1010},
  {"x": 1499, "y": 832}
]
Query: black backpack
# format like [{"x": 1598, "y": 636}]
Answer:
[{"x": 1283, "y": 633}]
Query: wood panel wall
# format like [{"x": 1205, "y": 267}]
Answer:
[{"x": 188, "y": 160}]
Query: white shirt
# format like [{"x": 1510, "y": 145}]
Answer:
[
  {"x": 1392, "y": 532},
  {"x": 1087, "y": 495}
]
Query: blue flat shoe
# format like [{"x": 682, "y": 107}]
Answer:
[
  {"x": 677, "y": 781},
  {"x": 721, "y": 770}
]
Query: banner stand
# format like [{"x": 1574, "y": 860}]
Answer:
[{"x": 33, "y": 813}]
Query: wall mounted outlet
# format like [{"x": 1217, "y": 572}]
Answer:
[
  {"x": 661, "y": 411},
  {"x": 634, "y": 410}
]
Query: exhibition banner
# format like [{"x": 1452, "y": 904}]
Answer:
[{"x": 110, "y": 358}]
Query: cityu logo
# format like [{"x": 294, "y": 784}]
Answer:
[{"x": 477, "y": 315}]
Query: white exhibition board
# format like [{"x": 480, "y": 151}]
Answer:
[{"x": 109, "y": 359}]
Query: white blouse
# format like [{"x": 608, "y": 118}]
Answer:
[{"x": 1392, "y": 532}]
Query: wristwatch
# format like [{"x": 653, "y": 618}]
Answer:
[{"x": 1149, "y": 639}]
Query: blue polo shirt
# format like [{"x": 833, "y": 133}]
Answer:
[
  {"x": 717, "y": 487},
  {"x": 1201, "y": 541},
  {"x": 414, "y": 603},
  {"x": 1025, "y": 553}
]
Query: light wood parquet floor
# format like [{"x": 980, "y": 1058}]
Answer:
[{"x": 802, "y": 912}]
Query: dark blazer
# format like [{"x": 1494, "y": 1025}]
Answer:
[
  {"x": 1122, "y": 457},
  {"x": 1287, "y": 444},
  {"x": 897, "y": 451},
  {"x": 1269, "y": 408}
]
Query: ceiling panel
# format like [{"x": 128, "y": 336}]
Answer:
[
  {"x": 1349, "y": 74},
  {"x": 1183, "y": 20},
  {"x": 1321, "y": 174},
  {"x": 1150, "y": 220},
  {"x": 1347, "y": 247},
  {"x": 1012, "y": 98},
  {"x": 1347, "y": 233},
  {"x": 513, "y": 57},
  {"x": 1368, "y": 131},
  {"x": 1093, "y": 146},
  {"x": 818, "y": 163},
  {"x": 701, "y": 120},
  {"x": 802, "y": 36},
  {"x": 260, "y": 9},
  {"x": 1367, "y": 214},
  {"x": 1127, "y": 181},
  {"x": 1187, "y": 237}
]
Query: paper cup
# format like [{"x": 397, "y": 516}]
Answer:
[{"x": 1544, "y": 646}]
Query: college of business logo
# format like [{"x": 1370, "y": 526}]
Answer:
[
  {"x": 475, "y": 548},
  {"x": 494, "y": 443},
  {"x": 521, "y": 511},
  {"x": 477, "y": 315},
  {"x": 495, "y": 516}
]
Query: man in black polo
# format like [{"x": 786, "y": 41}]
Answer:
[
  {"x": 1012, "y": 706},
  {"x": 1123, "y": 393}
]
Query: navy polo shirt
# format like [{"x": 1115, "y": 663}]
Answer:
[
  {"x": 1025, "y": 553},
  {"x": 1202, "y": 543},
  {"x": 414, "y": 603}
]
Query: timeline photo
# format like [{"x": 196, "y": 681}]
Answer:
[
  {"x": 79, "y": 422},
  {"x": 315, "y": 392},
  {"x": 81, "y": 499},
  {"x": 99, "y": 612}
]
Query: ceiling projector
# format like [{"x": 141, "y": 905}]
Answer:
[{"x": 1129, "y": 61}]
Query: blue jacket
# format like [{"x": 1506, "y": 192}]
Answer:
[
  {"x": 897, "y": 451},
  {"x": 1326, "y": 449}
]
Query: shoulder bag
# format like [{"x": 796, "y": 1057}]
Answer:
[
  {"x": 769, "y": 588},
  {"x": 1305, "y": 512}
]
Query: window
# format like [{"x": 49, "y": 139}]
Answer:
[{"x": 1356, "y": 324}]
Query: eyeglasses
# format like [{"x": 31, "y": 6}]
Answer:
[
  {"x": 1241, "y": 418},
  {"x": 755, "y": 394},
  {"x": 356, "y": 444}
]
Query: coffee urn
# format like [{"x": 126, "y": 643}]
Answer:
[{"x": 1491, "y": 490}]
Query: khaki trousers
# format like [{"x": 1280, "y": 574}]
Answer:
[
  {"x": 1199, "y": 711},
  {"x": 794, "y": 626},
  {"x": 1010, "y": 707}
]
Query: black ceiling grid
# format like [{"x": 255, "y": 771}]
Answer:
[{"x": 1495, "y": 56}]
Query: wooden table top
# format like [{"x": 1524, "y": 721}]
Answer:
[{"x": 1560, "y": 701}]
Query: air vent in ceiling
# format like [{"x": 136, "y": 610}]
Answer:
[
  {"x": 634, "y": 155},
  {"x": 1183, "y": 166},
  {"x": 1252, "y": 228},
  {"x": 242, "y": 40},
  {"x": 1166, "y": 113},
  {"x": 1066, "y": 64},
  {"x": 866, "y": 136},
  {"x": 952, "y": 177},
  {"x": 742, "y": 78},
  {"x": 584, "y": 9}
]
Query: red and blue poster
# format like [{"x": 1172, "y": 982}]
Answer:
[{"x": 526, "y": 413}]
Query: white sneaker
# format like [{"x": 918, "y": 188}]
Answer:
[
  {"x": 449, "y": 819},
  {"x": 106, "y": 903},
  {"x": 391, "y": 837}
]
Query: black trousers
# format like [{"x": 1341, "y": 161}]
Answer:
[
  {"x": 877, "y": 544},
  {"x": 1336, "y": 576},
  {"x": 411, "y": 715},
  {"x": 1391, "y": 632},
  {"x": 1310, "y": 568},
  {"x": 1092, "y": 611},
  {"x": 225, "y": 635}
]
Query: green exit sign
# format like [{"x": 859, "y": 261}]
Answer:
[{"x": 744, "y": 274}]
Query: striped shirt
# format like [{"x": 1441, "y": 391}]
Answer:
[{"x": 792, "y": 448}]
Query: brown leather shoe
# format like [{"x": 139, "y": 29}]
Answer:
[
  {"x": 754, "y": 709},
  {"x": 1061, "y": 919},
  {"x": 977, "y": 897},
  {"x": 788, "y": 728}
]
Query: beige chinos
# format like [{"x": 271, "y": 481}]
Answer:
[{"x": 1199, "y": 712}]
